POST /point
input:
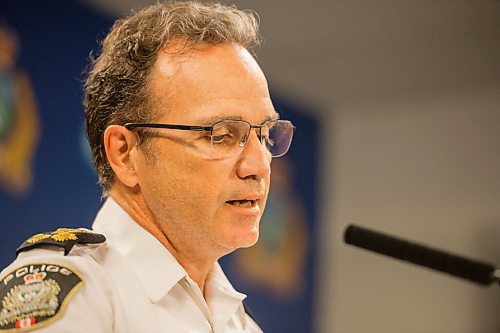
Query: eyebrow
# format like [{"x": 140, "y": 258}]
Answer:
[{"x": 214, "y": 119}]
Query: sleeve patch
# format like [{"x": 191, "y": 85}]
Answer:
[{"x": 34, "y": 295}]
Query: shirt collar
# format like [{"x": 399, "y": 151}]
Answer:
[
  {"x": 141, "y": 249},
  {"x": 143, "y": 252},
  {"x": 223, "y": 300}
]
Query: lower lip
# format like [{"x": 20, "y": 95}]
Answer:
[{"x": 252, "y": 210}]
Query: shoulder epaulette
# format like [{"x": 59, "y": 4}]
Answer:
[{"x": 62, "y": 237}]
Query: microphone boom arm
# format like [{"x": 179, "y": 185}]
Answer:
[{"x": 472, "y": 270}]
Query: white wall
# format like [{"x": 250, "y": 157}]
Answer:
[{"x": 429, "y": 171}]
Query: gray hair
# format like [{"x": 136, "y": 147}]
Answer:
[{"x": 116, "y": 87}]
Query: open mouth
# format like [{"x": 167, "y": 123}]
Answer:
[{"x": 243, "y": 203}]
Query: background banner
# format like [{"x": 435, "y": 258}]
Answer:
[{"x": 47, "y": 180}]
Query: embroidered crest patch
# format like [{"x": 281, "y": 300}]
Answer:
[{"x": 35, "y": 295}]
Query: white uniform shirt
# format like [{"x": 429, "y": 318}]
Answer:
[{"x": 132, "y": 283}]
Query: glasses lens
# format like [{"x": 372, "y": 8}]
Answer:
[
  {"x": 278, "y": 137},
  {"x": 228, "y": 136}
]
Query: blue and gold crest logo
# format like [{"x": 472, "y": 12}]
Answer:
[
  {"x": 275, "y": 265},
  {"x": 19, "y": 124}
]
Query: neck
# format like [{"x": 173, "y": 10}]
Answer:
[{"x": 197, "y": 265}]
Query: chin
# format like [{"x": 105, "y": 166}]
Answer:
[
  {"x": 250, "y": 243},
  {"x": 246, "y": 239}
]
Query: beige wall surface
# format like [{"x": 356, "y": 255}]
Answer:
[{"x": 430, "y": 174}]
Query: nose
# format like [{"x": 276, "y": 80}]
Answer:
[{"x": 254, "y": 160}]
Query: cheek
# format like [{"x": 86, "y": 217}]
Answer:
[{"x": 186, "y": 183}]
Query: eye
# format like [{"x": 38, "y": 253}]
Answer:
[
  {"x": 222, "y": 135},
  {"x": 225, "y": 134},
  {"x": 222, "y": 138}
]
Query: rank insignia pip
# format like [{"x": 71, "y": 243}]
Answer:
[
  {"x": 35, "y": 295},
  {"x": 62, "y": 237}
]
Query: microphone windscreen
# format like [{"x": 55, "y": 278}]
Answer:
[{"x": 458, "y": 266}]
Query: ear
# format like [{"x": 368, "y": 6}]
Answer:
[{"x": 121, "y": 145}]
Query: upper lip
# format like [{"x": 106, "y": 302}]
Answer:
[{"x": 252, "y": 196}]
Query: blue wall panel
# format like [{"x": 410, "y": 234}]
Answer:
[{"x": 54, "y": 40}]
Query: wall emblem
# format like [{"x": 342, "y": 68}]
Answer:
[
  {"x": 19, "y": 123},
  {"x": 275, "y": 264}
]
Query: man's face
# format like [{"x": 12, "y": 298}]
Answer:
[{"x": 207, "y": 205}]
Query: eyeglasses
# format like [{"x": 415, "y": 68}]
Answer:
[{"x": 228, "y": 136}]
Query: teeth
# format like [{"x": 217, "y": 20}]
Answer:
[{"x": 243, "y": 203}]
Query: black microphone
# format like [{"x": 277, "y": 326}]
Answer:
[{"x": 472, "y": 270}]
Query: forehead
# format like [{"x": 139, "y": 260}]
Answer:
[{"x": 213, "y": 82}]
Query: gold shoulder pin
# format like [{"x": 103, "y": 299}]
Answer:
[{"x": 62, "y": 237}]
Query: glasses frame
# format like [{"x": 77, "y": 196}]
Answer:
[{"x": 210, "y": 128}]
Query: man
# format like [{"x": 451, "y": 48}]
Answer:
[{"x": 182, "y": 130}]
